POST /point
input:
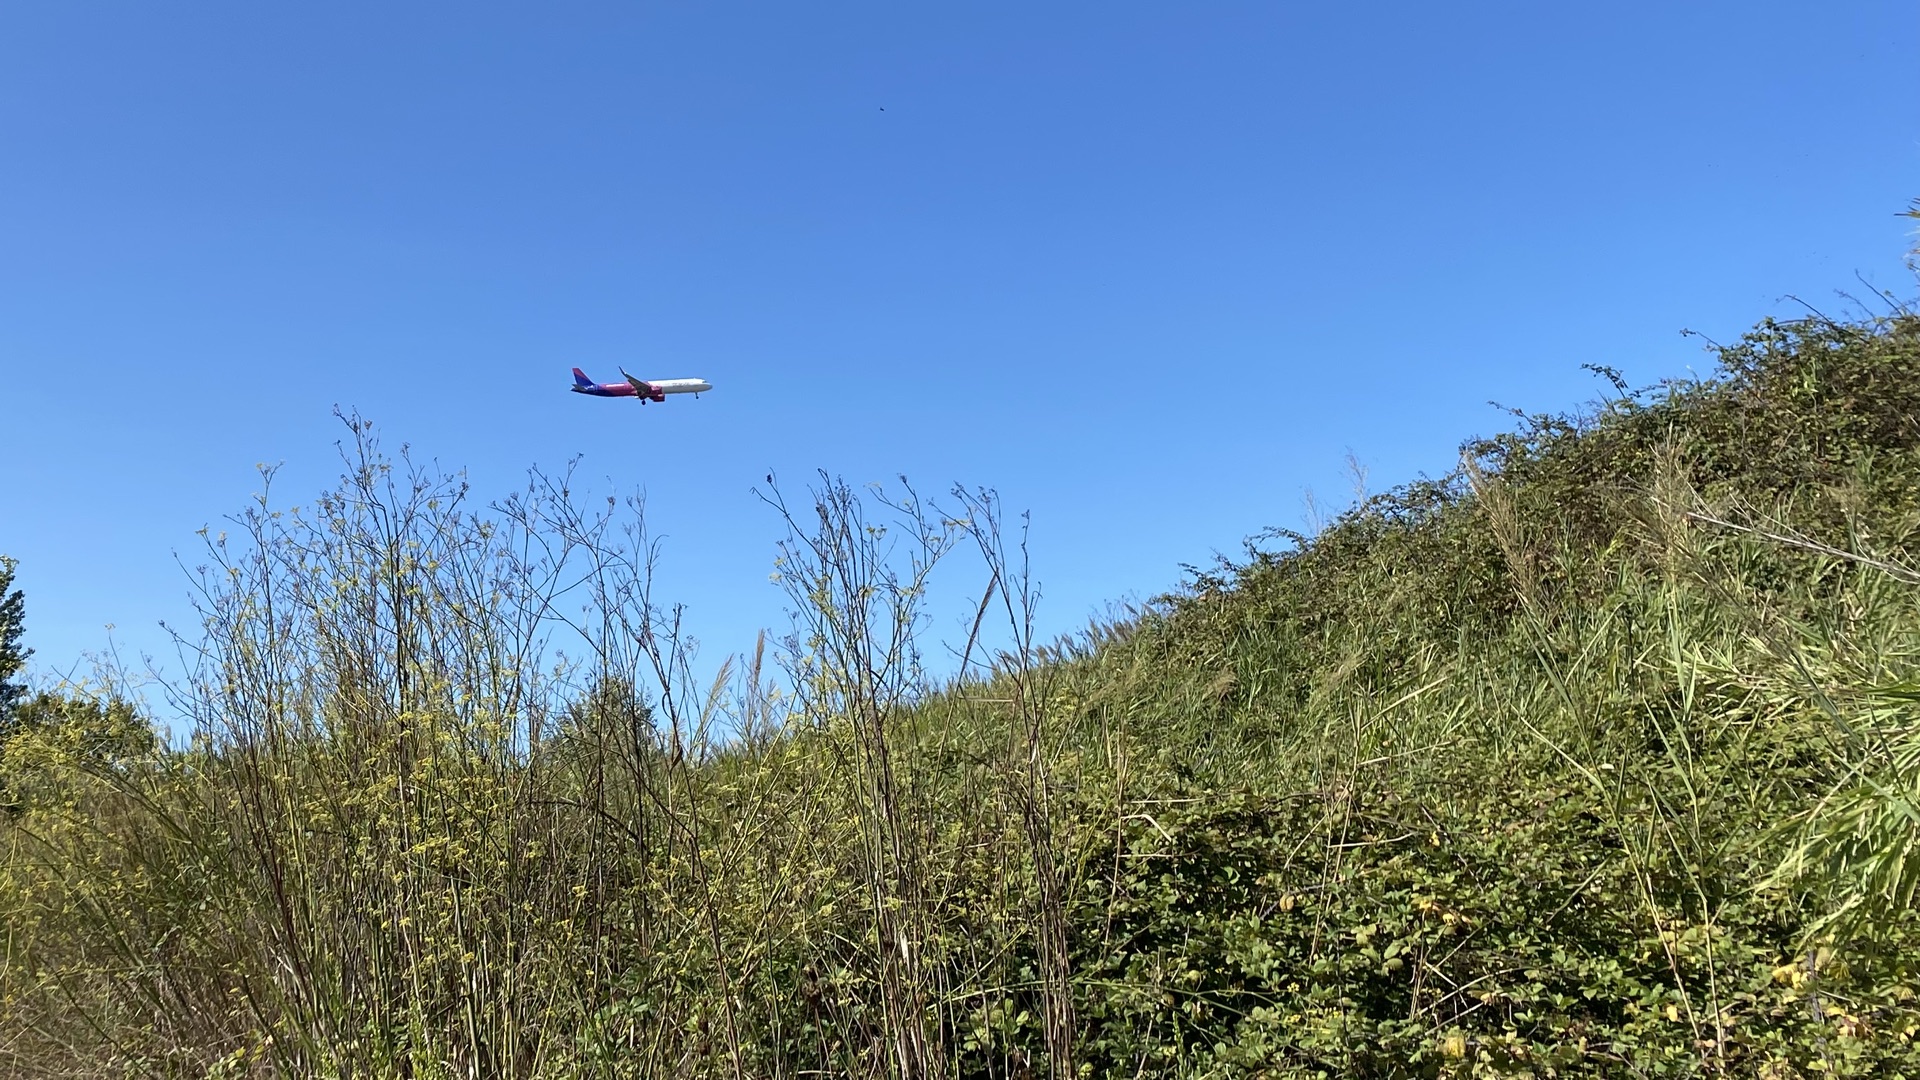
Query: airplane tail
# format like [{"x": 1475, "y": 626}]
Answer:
[{"x": 580, "y": 378}]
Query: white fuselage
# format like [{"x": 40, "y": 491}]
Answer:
[{"x": 680, "y": 386}]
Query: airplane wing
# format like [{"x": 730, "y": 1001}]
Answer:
[{"x": 640, "y": 386}]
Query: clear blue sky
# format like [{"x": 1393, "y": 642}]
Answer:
[{"x": 1149, "y": 269}]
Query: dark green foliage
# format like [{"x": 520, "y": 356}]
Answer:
[
  {"x": 13, "y": 656},
  {"x": 1519, "y": 930}
]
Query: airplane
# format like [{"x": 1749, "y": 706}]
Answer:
[{"x": 656, "y": 390}]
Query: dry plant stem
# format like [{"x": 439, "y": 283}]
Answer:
[
  {"x": 859, "y": 666},
  {"x": 1508, "y": 532},
  {"x": 1031, "y": 683},
  {"x": 1899, "y": 572}
]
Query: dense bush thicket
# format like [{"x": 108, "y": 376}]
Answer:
[{"x": 1596, "y": 756}]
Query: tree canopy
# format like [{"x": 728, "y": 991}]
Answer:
[{"x": 13, "y": 657}]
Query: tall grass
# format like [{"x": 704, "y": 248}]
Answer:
[{"x": 1594, "y": 757}]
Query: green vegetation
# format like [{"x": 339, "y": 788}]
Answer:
[
  {"x": 1596, "y": 757},
  {"x": 13, "y": 656}
]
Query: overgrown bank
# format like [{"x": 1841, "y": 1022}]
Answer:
[{"x": 1595, "y": 757}]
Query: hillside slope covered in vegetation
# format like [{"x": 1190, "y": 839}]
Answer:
[{"x": 1596, "y": 757}]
